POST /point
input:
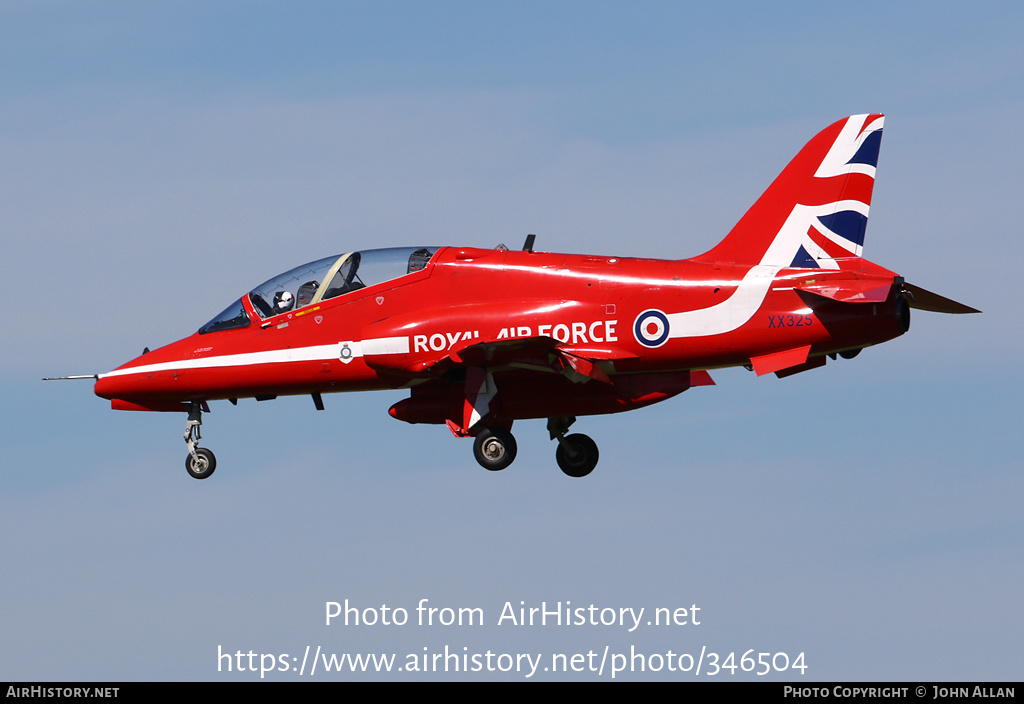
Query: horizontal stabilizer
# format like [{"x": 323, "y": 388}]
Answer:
[
  {"x": 849, "y": 291},
  {"x": 926, "y": 300}
]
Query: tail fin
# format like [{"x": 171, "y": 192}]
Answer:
[{"x": 815, "y": 213}]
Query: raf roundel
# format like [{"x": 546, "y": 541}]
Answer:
[{"x": 651, "y": 328}]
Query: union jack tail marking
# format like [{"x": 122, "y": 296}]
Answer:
[{"x": 815, "y": 213}]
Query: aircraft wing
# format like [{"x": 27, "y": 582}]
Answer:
[
  {"x": 540, "y": 353},
  {"x": 427, "y": 354},
  {"x": 535, "y": 377},
  {"x": 462, "y": 379},
  {"x": 579, "y": 362}
]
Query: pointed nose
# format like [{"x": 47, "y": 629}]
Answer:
[
  {"x": 109, "y": 387},
  {"x": 143, "y": 389},
  {"x": 134, "y": 380}
]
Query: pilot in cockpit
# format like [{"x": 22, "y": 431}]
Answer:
[{"x": 284, "y": 301}]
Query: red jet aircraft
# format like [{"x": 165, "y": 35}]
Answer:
[{"x": 484, "y": 337}]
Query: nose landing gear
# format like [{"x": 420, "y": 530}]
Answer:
[
  {"x": 201, "y": 464},
  {"x": 200, "y": 461}
]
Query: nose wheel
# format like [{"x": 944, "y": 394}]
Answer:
[
  {"x": 201, "y": 464},
  {"x": 200, "y": 461}
]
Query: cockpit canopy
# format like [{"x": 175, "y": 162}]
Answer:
[{"x": 322, "y": 280}]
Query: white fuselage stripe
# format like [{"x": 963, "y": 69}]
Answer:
[
  {"x": 314, "y": 353},
  {"x": 731, "y": 313}
]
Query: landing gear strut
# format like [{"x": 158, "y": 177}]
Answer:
[
  {"x": 200, "y": 462},
  {"x": 576, "y": 454}
]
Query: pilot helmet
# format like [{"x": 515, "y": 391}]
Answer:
[{"x": 284, "y": 301}]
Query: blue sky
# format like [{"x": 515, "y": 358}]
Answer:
[{"x": 160, "y": 159}]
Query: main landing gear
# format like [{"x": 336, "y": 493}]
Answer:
[
  {"x": 495, "y": 448},
  {"x": 576, "y": 455},
  {"x": 200, "y": 462}
]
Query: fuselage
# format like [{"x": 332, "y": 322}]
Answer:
[{"x": 699, "y": 315}]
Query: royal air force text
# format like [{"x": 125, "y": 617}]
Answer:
[{"x": 577, "y": 333}]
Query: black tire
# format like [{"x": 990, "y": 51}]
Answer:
[
  {"x": 583, "y": 458},
  {"x": 494, "y": 448},
  {"x": 204, "y": 467}
]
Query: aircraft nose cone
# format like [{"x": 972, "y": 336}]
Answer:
[
  {"x": 139, "y": 391},
  {"x": 107, "y": 387},
  {"x": 121, "y": 383}
]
